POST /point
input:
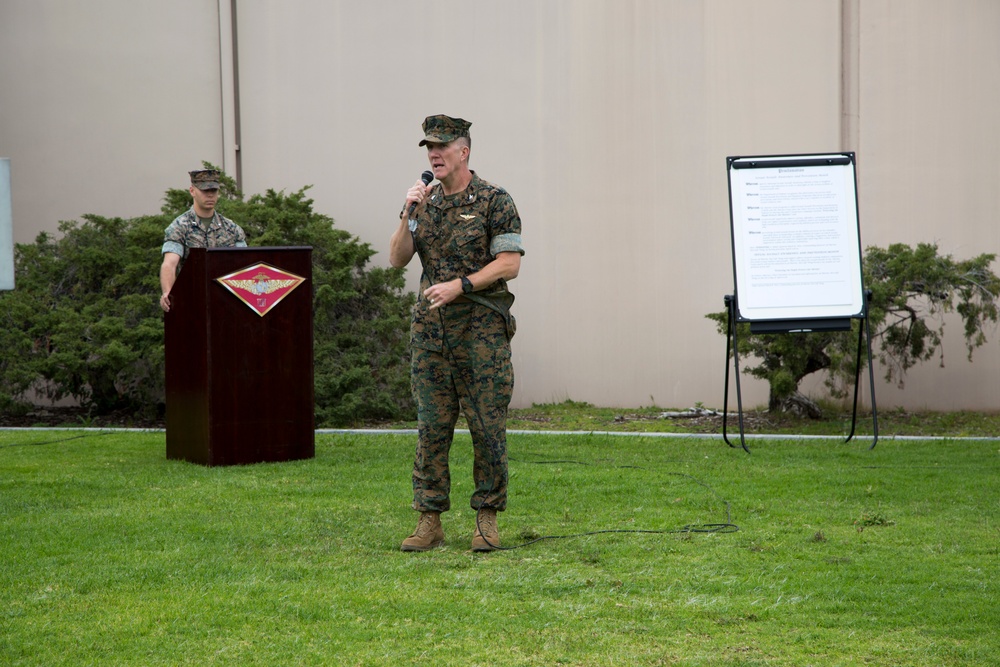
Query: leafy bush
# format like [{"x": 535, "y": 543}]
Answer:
[
  {"x": 80, "y": 323},
  {"x": 911, "y": 288},
  {"x": 84, "y": 323}
]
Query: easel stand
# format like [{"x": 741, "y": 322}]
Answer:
[{"x": 800, "y": 327}]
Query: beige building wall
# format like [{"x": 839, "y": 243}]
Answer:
[
  {"x": 104, "y": 104},
  {"x": 609, "y": 121},
  {"x": 929, "y": 88}
]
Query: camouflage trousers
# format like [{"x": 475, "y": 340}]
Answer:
[{"x": 473, "y": 374}]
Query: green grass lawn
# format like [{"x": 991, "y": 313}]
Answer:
[{"x": 112, "y": 555}]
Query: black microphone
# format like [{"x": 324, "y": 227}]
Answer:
[{"x": 426, "y": 177}]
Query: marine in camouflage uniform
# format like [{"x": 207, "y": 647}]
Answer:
[
  {"x": 201, "y": 226},
  {"x": 461, "y": 359},
  {"x": 189, "y": 231},
  {"x": 461, "y": 352}
]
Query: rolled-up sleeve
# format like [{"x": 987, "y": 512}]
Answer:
[
  {"x": 506, "y": 243},
  {"x": 505, "y": 225},
  {"x": 174, "y": 247}
]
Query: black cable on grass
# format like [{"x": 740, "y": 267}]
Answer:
[
  {"x": 53, "y": 442},
  {"x": 727, "y": 527}
]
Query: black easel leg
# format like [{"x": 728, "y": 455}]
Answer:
[
  {"x": 857, "y": 378},
  {"x": 871, "y": 382},
  {"x": 731, "y": 302},
  {"x": 725, "y": 392}
]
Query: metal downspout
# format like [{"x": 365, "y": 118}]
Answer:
[
  {"x": 850, "y": 77},
  {"x": 229, "y": 70},
  {"x": 237, "y": 137}
]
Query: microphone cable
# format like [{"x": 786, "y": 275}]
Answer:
[
  {"x": 57, "y": 441},
  {"x": 725, "y": 527}
]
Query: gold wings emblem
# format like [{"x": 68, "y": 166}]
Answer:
[{"x": 260, "y": 284}]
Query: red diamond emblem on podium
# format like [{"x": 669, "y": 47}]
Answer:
[{"x": 261, "y": 286}]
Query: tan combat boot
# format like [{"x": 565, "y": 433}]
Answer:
[
  {"x": 429, "y": 533},
  {"x": 487, "y": 537}
]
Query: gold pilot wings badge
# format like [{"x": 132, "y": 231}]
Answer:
[
  {"x": 468, "y": 217},
  {"x": 261, "y": 286}
]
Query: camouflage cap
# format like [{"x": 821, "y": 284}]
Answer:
[
  {"x": 443, "y": 129},
  {"x": 205, "y": 179}
]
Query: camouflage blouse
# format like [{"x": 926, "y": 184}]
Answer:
[
  {"x": 457, "y": 235},
  {"x": 186, "y": 232}
]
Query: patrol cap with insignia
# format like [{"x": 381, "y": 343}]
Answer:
[
  {"x": 205, "y": 179},
  {"x": 443, "y": 129}
]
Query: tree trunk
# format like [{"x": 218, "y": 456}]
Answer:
[{"x": 796, "y": 403}]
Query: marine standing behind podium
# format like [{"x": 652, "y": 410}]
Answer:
[
  {"x": 201, "y": 226},
  {"x": 467, "y": 234}
]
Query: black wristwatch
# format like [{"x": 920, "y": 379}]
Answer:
[{"x": 466, "y": 285}]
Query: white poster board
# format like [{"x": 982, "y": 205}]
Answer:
[
  {"x": 6, "y": 228},
  {"x": 796, "y": 238}
]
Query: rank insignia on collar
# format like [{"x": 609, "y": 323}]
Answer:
[{"x": 468, "y": 217}]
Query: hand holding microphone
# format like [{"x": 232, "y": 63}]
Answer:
[{"x": 415, "y": 195}]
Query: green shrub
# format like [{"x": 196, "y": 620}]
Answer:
[{"x": 911, "y": 288}]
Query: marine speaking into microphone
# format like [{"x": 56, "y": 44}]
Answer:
[{"x": 466, "y": 233}]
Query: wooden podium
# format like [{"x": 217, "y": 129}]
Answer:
[{"x": 239, "y": 382}]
